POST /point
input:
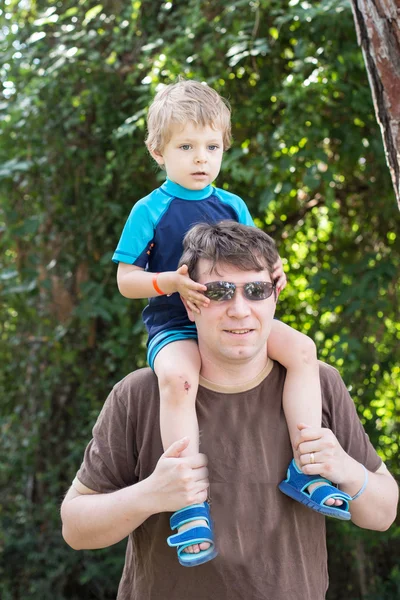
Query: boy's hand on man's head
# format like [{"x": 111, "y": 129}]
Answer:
[
  {"x": 190, "y": 290},
  {"x": 279, "y": 276}
]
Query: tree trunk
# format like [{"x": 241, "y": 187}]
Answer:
[{"x": 378, "y": 31}]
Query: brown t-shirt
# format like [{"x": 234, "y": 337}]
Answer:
[{"x": 270, "y": 547}]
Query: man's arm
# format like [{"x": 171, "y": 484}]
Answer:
[
  {"x": 94, "y": 520},
  {"x": 376, "y": 507}
]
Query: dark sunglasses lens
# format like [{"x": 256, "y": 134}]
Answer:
[
  {"x": 258, "y": 290},
  {"x": 224, "y": 290},
  {"x": 220, "y": 290}
]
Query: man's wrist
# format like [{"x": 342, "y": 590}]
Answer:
[
  {"x": 146, "y": 499},
  {"x": 355, "y": 478},
  {"x": 150, "y": 496}
]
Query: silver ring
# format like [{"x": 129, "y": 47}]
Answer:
[{"x": 312, "y": 458}]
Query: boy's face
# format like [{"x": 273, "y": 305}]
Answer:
[{"x": 193, "y": 155}]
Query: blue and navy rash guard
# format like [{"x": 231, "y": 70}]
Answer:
[{"x": 153, "y": 235}]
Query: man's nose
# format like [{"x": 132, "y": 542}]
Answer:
[{"x": 239, "y": 306}]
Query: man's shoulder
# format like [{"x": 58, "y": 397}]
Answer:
[
  {"x": 332, "y": 384},
  {"x": 327, "y": 372},
  {"x": 334, "y": 392},
  {"x": 141, "y": 376},
  {"x": 136, "y": 384},
  {"x": 330, "y": 378}
]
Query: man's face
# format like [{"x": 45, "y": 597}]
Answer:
[{"x": 233, "y": 331}]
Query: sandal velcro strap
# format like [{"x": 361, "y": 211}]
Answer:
[
  {"x": 195, "y": 512},
  {"x": 296, "y": 486},
  {"x": 322, "y": 493},
  {"x": 301, "y": 481},
  {"x": 195, "y": 535}
]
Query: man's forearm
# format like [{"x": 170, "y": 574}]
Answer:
[
  {"x": 377, "y": 506},
  {"x": 99, "y": 520},
  {"x": 93, "y": 521}
]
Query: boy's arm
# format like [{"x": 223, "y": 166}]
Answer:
[
  {"x": 135, "y": 282},
  {"x": 93, "y": 520}
]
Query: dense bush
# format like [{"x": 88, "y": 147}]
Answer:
[{"x": 77, "y": 79}]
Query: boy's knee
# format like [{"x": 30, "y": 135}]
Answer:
[
  {"x": 308, "y": 351},
  {"x": 174, "y": 381}
]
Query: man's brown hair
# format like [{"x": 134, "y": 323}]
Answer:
[{"x": 229, "y": 243}]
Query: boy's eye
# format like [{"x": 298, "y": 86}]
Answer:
[
  {"x": 213, "y": 147},
  {"x": 185, "y": 147}
]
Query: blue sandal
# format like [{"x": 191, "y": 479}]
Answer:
[
  {"x": 195, "y": 535},
  {"x": 296, "y": 483}
]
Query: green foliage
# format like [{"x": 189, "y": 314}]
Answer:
[{"x": 77, "y": 79}]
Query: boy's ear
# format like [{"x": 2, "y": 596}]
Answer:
[
  {"x": 189, "y": 312},
  {"x": 158, "y": 157}
]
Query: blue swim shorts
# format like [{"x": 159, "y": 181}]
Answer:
[{"x": 163, "y": 338}]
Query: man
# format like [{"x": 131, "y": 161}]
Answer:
[{"x": 270, "y": 547}]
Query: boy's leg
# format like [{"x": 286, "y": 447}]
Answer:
[
  {"x": 177, "y": 367},
  {"x": 302, "y": 390}
]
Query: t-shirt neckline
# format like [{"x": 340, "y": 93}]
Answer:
[{"x": 243, "y": 387}]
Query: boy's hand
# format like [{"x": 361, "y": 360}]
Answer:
[
  {"x": 190, "y": 290},
  {"x": 278, "y": 275}
]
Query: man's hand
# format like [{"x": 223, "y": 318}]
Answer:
[
  {"x": 320, "y": 445},
  {"x": 179, "y": 482},
  {"x": 190, "y": 290},
  {"x": 278, "y": 275},
  {"x": 376, "y": 507}
]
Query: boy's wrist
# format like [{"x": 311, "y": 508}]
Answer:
[{"x": 166, "y": 282}]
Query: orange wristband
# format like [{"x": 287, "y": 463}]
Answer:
[{"x": 155, "y": 286}]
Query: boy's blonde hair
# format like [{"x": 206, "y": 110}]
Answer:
[{"x": 183, "y": 102}]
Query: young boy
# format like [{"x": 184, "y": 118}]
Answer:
[{"x": 188, "y": 131}]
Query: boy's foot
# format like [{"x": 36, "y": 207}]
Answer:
[
  {"x": 196, "y": 547},
  {"x": 314, "y": 486},
  {"x": 329, "y": 501},
  {"x": 200, "y": 538},
  {"x": 316, "y": 493}
]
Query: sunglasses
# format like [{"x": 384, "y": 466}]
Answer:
[{"x": 225, "y": 290}]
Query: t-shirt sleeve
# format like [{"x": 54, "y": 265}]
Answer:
[
  {"x": 137, "y": 236},
  {"x": 245, "y": 217},
  {"x": 238, "y": 205},
  {"x": 339, "y": 414},
  {"x": 110, "y": 457}
]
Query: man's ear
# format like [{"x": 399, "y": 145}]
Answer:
[
  {"x": 190, "y": 313},
  {"x": 158, "y": 157}
]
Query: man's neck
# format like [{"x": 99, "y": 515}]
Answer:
[{"x": 232, "y": 372}]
